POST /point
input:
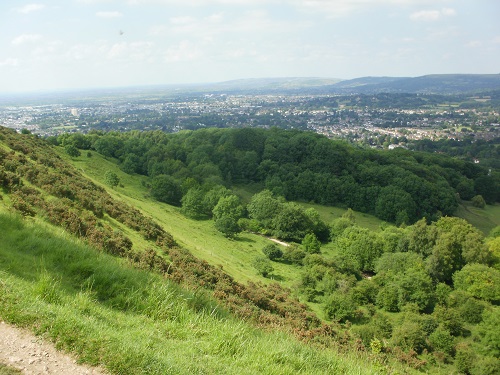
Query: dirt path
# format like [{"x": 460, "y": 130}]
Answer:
[
  {"x": 280, "y": 242},
  {"x": 33, "y": 356}
]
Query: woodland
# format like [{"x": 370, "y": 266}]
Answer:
[{"x": 423, "y": 290}]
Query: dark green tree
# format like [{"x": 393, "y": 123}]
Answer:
[
  {"x": 291, "y": 223},
  {"x": 72, "y": 151},
  {"x": 111, "y": 179},
  {"x": 478, "y": 201},
  {"x": 166, "y": 189},
  {"x": 272, "y": 251},
  {"x": 263, "y": 207},
  {"x": 192, "y": 203},
  {"x": 226, "y": 214}
]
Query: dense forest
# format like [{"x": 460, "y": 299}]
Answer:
[
  {"x": 425, "y": 292},
  {"x": 397, "y": 186}
]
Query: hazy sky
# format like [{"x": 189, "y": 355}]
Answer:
[{"x": 57, "y": 44}]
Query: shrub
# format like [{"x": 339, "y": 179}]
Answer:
[
  {"x": 388, "y": 298},
  {"x": 294, "y": 255},
  {"x": 442, "y": 340},
  {"x": 263, "y": 265},
  {"x": 311, "y": 244},
  {"x": 339, "y": 307},
  {"x": 409, "y": 336},
  {"x": 478, "y": 201},
  {"x": 271, "y": 251}
]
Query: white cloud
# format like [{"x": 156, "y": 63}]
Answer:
[
  {"x": 94, "y": 1},
  {"x": 28, "y": 8},
  {"x": 9, "y": 62},
  {"x": 112, "y": 14},
  {"x": 134, "y": 51},
  {"x": 474, "y": 44},
  {"x": 182, "y": 20},
  {"x": 26, "y": 38},
  {"x": 182, "y": 52},
  {"x": 448, "y": 12},
  {"x": 432, "y": 15}
]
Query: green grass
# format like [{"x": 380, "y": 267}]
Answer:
[
  {"x": 133, "y": 322},
  {"x": 198, "y": 236},
  {"x": 8, "y": 370},
  {"x": 485, "y": 219}
]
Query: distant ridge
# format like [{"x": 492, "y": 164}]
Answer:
[
  {"x": 444, "y": 84},
  {"x": 428, "y": 84}
]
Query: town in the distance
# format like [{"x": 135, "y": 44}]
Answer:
[{"x": 378, "y": 114}]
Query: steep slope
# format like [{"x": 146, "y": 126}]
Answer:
[{"x": 96, "y": 305}]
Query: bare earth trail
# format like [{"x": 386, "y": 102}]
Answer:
[{"x": 33, "y": 356}]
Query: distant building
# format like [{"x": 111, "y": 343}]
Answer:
[{"x": 74, "y": 112}]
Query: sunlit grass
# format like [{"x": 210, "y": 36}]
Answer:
[{"x": 132, "y": 322}]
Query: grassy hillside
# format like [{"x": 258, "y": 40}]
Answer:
[
  {"x": 45, "y": 184},
  {"x": 200, "y": 236},
  {"x": 134, "y": 322},
  {"x": 485, "y": 218}
]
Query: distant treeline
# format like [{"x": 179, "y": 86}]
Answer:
[
  {"x": 487, "y": 152},
  {"x": 398, "y": 186}
]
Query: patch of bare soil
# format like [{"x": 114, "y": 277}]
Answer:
[{"x": 32, "y": 355}]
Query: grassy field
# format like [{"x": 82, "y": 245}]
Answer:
[
  {"x": 198, "y": 236},
  {"x": 133, "y": 322},
  {"x": 484, "y": 219}
]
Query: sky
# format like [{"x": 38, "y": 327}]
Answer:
[{"x": 73, "y": 44}]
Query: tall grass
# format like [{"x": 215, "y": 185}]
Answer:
[{"x": 133, "y": 322}]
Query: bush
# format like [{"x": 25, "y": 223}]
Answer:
[
  {"x": 409, "y": 336},
  {"x": 478, "y": 201},
  {"x": 273, "y": 252},
  {"x": 263, "y": 265},
  {"x": 294, "y": 255},
  {"x": 388, "y": 298},
  {"x": 339, "y": 307},
  {"x": 442, "y": 340},
  {"x": 464, "y": 358},
  {"x": 311, "y": 244}
]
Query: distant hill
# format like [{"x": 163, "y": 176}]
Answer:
[{"x": 428, "y": 84}]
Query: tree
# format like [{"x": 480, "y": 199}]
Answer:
[
  {"x": 166, "y": 189},
  {"x": 457, "y": 244},
  {"x": 72, "y": 151},
  {"x": 318, "y": 226},
  {"x": 263, "y": 207},
  {"x": 263, "y": 265},
  {"x": 395, "y": 203},
  {"x": 339, "y": 307},
  {"x": 111, "y": 179},
  {"x": 212, "y": 197},
  {"x": 480, "y": 281},
  {"x": 272, "y": 251},
  {"x": 311, "y": 244},
  {"x": 192, "y": 203},
  {"x": 361, "y": 245},
  {"x": 291, "y": 223},
  {"x": 226, "y": 214}
]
